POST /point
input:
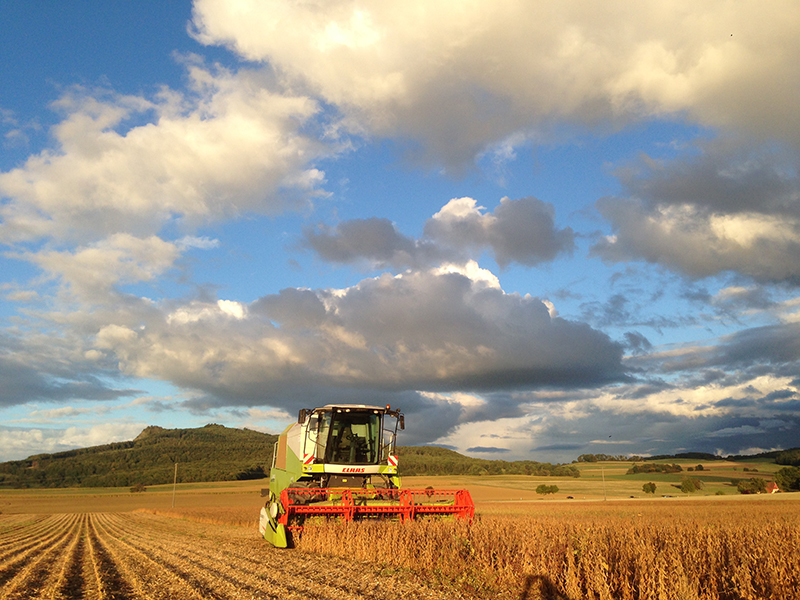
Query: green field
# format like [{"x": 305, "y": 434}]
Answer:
[{"x": 606, "y": 480}]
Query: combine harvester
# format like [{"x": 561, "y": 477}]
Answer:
[{"x": 340, "y": 462}]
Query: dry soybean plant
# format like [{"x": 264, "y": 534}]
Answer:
[{"x": 708, "y": 551}]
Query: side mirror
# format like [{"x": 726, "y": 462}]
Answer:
[
  {"x": 301, "y": 418},
  {"x": 402, "y": 422}
]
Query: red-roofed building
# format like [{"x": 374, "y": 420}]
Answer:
[{"x": 772, "y": 487}]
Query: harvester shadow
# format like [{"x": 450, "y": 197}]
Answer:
[{"x": 539, "y": 587}]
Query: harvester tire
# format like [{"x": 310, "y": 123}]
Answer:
[{"x": 273, "y": 506}]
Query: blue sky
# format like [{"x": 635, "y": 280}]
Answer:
[{"x": 540, "y": 232}]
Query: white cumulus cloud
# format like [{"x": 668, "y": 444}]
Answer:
[{"x": 463, "y": 77}]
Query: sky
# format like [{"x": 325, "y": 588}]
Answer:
[{"x": 539, "y": 229}]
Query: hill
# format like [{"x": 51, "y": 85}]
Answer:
[
  {"x": 782, "y": 457},
  {"x": 432, "y": 460},
  {"x": 218, "y": 453},
  {"x": 210, "y": 453}
]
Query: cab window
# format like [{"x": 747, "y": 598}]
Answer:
[{"x": 354, "y": 437}]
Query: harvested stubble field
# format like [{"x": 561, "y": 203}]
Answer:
[
  {"x": 139, "y": 555},
  {"x": 712, "y": 548}
]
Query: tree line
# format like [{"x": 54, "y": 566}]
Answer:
[{"x": 431, "y": 460}]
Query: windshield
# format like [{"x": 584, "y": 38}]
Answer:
[
  {"x": 319, "y": 425},
  {"x": 354, "y": 437},
  {"x": 389, "y": 436}
]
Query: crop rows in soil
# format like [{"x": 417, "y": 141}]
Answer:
[{"x": 124, "y": 556}]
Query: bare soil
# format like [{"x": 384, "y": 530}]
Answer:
[{"x": 124, "y": 556}]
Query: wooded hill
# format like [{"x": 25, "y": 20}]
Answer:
[
  {"x": 218, "y": 453},
  {"x": 432, "y": 460},
  {"x": 210, "y": 453},
  {"x": 781, "y": 457}
]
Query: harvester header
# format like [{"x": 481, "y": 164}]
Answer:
[{"x": 340, "y": 462}]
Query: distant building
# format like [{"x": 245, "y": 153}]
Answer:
[{"x": 772, "y": 487}]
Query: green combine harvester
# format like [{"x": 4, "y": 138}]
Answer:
[{"x": 339, "y": 462}]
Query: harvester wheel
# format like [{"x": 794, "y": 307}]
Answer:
[{"x": 273, "y": 506}]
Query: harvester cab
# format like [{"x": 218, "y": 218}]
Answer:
[{"x": 340, "y": 462}]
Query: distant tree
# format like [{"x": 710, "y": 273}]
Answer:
[
  {"x": 565, "y": 471},
  {"x": 790, "y": 457},
  {"x": 654, "y": 468},
  {"x": 607, "y": 457},
  {"x": 139, "y": 487},
  {"x": 649, "y": 488},
  {"x": 691, "y": 484},
  {"x": 254, "y": 472},
  {"x": 699, "y": 468},
  {"x": 755, "y": 485},
  {"x": 546, "y": 489},
  {"x": 788, "y": 479}
]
